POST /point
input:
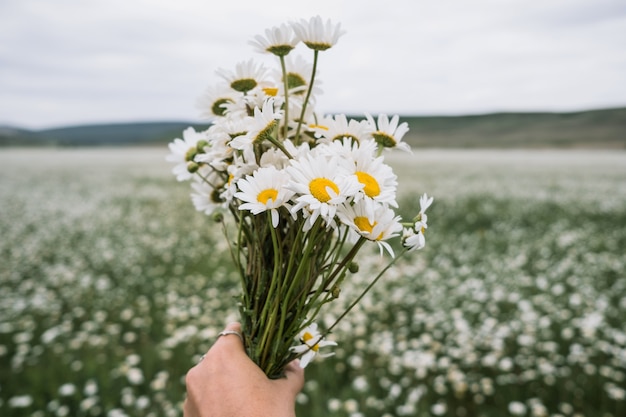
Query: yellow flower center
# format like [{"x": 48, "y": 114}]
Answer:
[
  {"x": 270, "y": 91},
  {"x": 308, "y": 336},
  {"x": 266, "y": 195},
  {"x": 318, "y": 188},
  {"x": 364, "y": 225},
  {"x": 316, "y": 126},
  {"x": 371, "y": 189}
]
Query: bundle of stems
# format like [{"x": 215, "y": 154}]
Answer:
[{"x": 287, "y": 275}]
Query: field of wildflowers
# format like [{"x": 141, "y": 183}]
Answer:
[{"x": 112, "y": 286}]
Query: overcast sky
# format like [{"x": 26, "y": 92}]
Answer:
[{"x": 85, "y": 61}]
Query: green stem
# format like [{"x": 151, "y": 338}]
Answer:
[
  {"x": 270, "y": 303},
  {"x": 280, "y": 146},
  {"x": 308, "y": 96},
  {"x": 302, "y": 266},
  {"x": 286, "y": 87},
  {"x": 365, "y": 291},
  {"x": 345, "y": 260}
]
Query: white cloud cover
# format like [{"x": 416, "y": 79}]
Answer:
[{"x": 74, "y": 61}]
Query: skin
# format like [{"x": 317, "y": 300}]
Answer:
[{"x": 226, "y": 383}]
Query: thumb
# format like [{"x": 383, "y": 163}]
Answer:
[{"x": 293, "y": 382}]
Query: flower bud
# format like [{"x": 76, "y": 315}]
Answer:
[
  {"x": 191, "y": 153},
  {"x": 216, "y": 197},
  {"x": 218, "y": 217},
  {"x": 353, "y": 267},
  {"x": 192, "y": 167},
  {"x": 201, "y": 145},
  {"x": 335, "y": 291}
]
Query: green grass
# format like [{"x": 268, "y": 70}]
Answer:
[{"x": 112, "y": 286}]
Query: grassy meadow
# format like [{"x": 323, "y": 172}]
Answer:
[{"x": 112, "y": 286}]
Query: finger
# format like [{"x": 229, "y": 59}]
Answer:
[
  {"x": 188, "y": 409},
  {"x": 294, "y": 378},
  {"x": 231, "y": 336}
]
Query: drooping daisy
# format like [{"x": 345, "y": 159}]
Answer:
[
  {"x": 311, "y": 341},
  {"x": 379, "y": 181},
  {"x": 425, "y": 202},
  {"x": 184, "y": 151},
  {"x": 421, "y": 220},
  {"x": 247, "y": 75},
  {"x": 317, "y": 34},
  {"x": 260, "y": 127},
  {"x": 388, "y": 133},
  {"x": 321, "y": 184},
  {"x": 239, "y": 167},
  {"x": 413, "y": 238},
  {"x": 264, "y": 190},
  {"x": 205, "y": 197},
  {"x": 375, "y": 222},
  {"x": 278, "y": 40}
]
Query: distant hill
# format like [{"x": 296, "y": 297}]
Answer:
[
  {"x": 586, "y": 129},
  {"x": 118, "y": 134}
]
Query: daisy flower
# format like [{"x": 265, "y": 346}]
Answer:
[
  {"x": 247, "y": 75},
  {"x": 239, "y": 167},
  {"x": 322, "y": 184},
  {"x": 260, "y": 127},
  {"x": 375, "y": 222},
  {"x": 413, "y": 238},
  {"x": 425, "y": 202},
  {"x": 216, "y": 100},
  {"x": 379, "y": 181},
  {"x": 278, "y": 40},
  {"x": 183, "y": 153},
  {"x": 311, "y": 341},
  {"x": 276, "y": 157},
  {"x": 339, "y": 127},
  {"x": 389, "y": 134},
  {"x": 205, "y": 198},
  {"x": 264, "y": 190},
  {"x": 316, "y": 34}
]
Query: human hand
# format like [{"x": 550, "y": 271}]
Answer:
[{"x": 226, "y": 383}]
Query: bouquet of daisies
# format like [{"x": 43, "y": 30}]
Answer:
[{"x": 305, "y": 193}]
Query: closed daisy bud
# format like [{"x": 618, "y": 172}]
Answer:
[{"x": 192, "y": 167}]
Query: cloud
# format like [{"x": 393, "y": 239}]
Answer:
[{"x": 70, "y": 61}]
